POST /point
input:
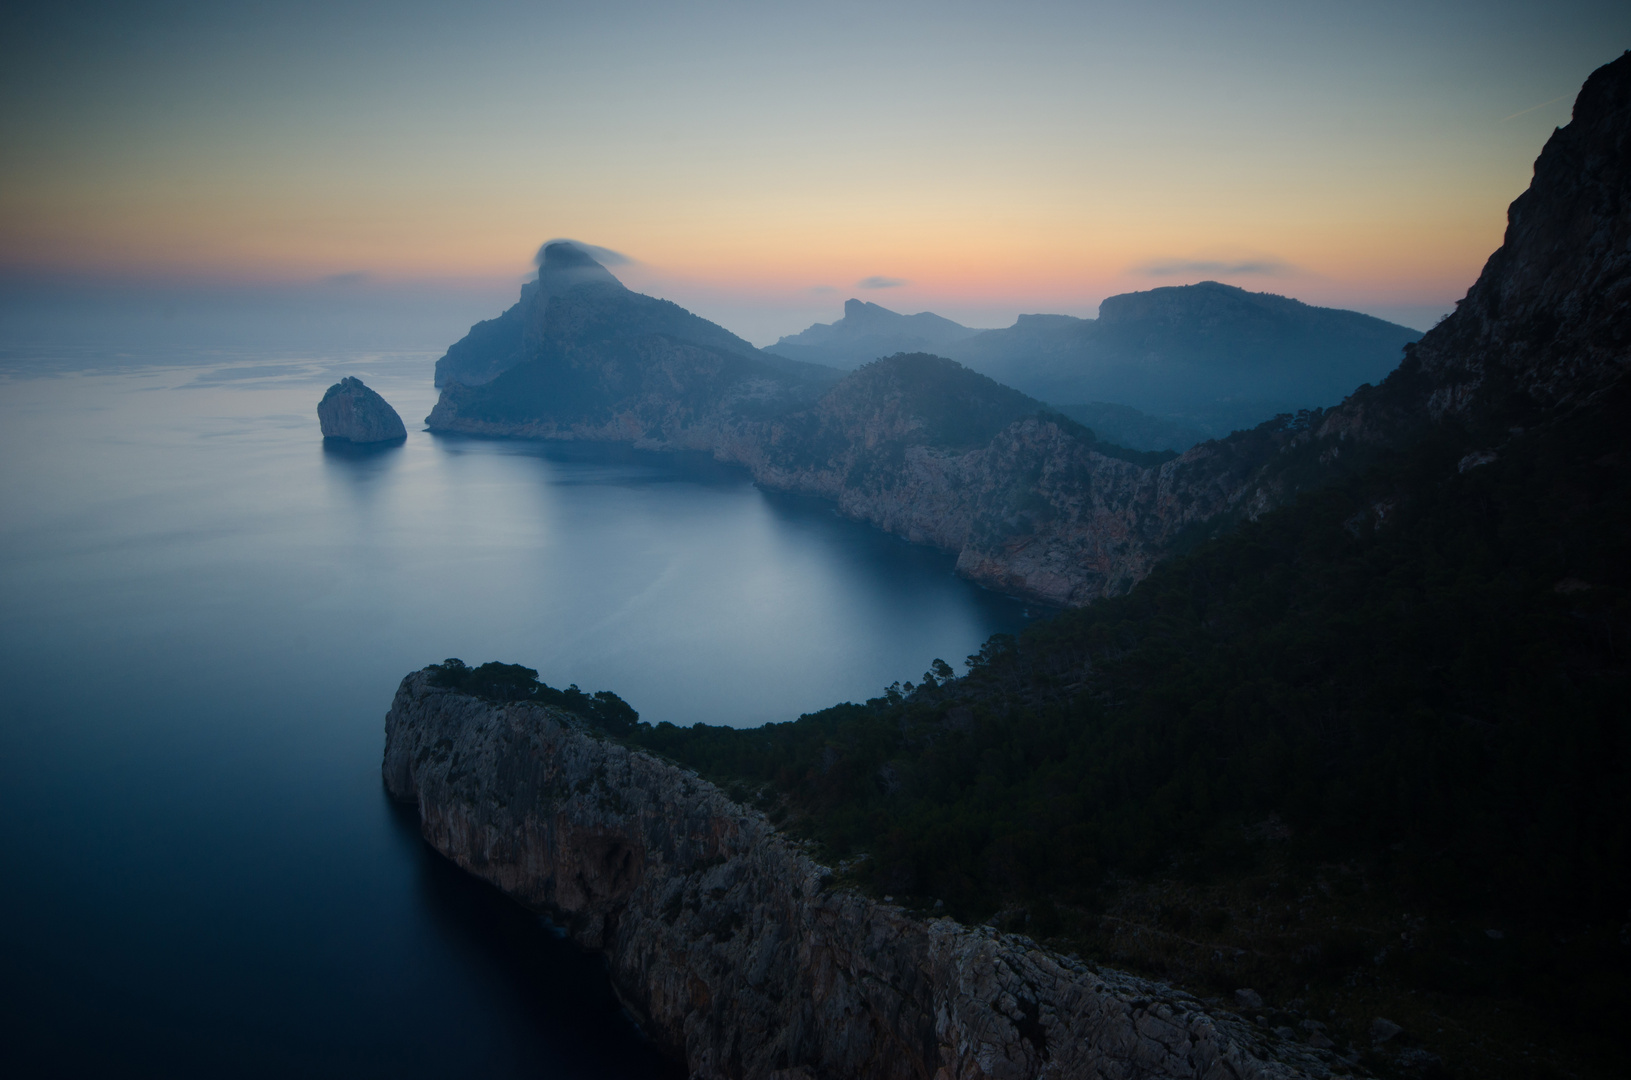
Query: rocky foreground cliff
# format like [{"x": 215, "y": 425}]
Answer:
[{"x": 739, "y": 952}]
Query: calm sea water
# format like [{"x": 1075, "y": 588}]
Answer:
[{"x": 205, "y": 614}]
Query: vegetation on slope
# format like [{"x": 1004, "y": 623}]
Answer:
[
  {"x": 1405, "y": 692},
  {"x": 1368, "y": 754},
  {"x": 504, "y": 683}
]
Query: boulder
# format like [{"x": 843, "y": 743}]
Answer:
[{"x": 352, "y": 412}]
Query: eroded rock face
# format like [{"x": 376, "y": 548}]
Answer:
[
  {"x": 735, "y": 948},
  {"x": 354, "y": 413},
  {"x": 1550, "y": 316}
]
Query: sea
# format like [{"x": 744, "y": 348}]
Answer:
[{"x": 204, "y": 613}]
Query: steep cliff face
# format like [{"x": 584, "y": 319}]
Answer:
[
  {"x": 738, "y": 951},
  {"x": 1033, "y": 504},
  {"x": 1550, "y": 316},
  {"x": 1061, "y": 520}
]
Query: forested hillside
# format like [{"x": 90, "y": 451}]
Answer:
[
  {"x": 1358, "y": 747},
  {"x": 1402, "y": 694},
  {"x": 1366, "y": 753}
]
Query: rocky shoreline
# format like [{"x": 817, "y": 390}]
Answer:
[
  {"x": 740, "y": 954},
  {"x": 1040, "y": 510}
]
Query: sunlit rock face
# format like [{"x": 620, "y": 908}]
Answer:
[
  {"x": 737, "y": 950},
  {"x": 352, "y": 412}
]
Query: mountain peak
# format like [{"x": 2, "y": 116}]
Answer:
[
  {"x": 562, "y": 264},
  {"x": 1548, "y": 313},
  {"x": 868, "y": 331}
]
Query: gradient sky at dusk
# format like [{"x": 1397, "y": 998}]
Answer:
[{"x": 759, "y": 162}]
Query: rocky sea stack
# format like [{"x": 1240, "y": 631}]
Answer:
[{"x": 353, "y": 413}]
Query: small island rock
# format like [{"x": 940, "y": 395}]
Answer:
[{"x": 353, "y": 412}]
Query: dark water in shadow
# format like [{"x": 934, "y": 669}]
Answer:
[
  {"x": 204, "y": 611},
  {"x": 559, "y": 990}
]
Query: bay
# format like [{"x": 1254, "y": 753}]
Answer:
[{"x": 205, "y": 614}]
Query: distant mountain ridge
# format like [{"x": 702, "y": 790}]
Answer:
[
  {"x": 1210, "y": 355},
  {"x": 868, "y": 332}
]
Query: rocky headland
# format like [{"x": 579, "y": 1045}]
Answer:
[
  {"x": 351, "y": 412},
  {"x": 742, "y": 954}
]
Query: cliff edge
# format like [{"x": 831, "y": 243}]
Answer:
[{"x": 737, "y": 950}]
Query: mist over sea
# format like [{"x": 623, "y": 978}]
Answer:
[{"x": 206, "y": 613}]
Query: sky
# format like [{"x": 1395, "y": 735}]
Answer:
[{"x": 761, "y": 162}]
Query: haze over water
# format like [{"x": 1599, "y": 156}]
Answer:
[{"x": 207, "y": 613}]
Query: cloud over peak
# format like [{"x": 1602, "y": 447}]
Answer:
[
  {"x": 602, "y": 255},
  {"x": 878, "y": 281}
]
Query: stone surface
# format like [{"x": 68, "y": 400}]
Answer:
[
  {"x": 1381, "y": 1030},
  {"x": 735, "y": 948},
  {"x": 352, "y": 412}
]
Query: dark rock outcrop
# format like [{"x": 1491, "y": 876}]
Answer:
[
  {"x": 736, "y": 949},
  {"x": 351, "y": 412}
]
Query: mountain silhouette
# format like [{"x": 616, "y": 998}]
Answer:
[
  {"x": 574, "y": 298},
  {"x": 867, "y": 332},
  {"x": 1209, "y": 355}
]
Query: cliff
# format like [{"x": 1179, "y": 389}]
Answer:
[
  {"x": 1548, "y": 323},
  {"x": 740, "y": 953},
  {"x": 351, "y": 412}
]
